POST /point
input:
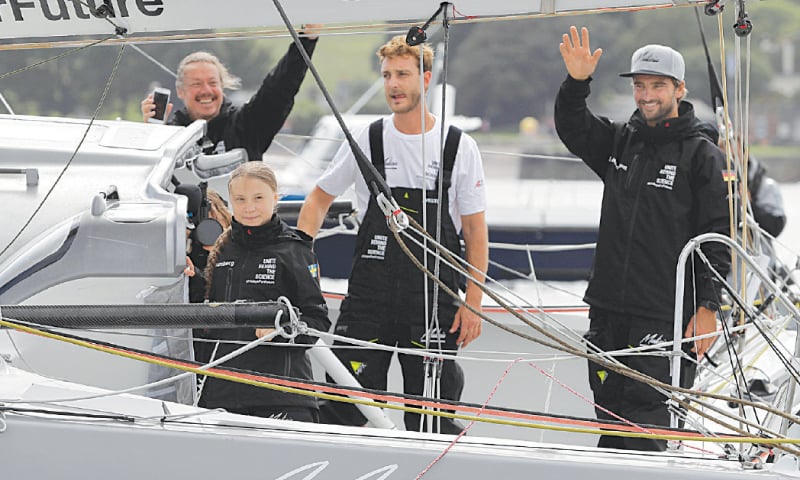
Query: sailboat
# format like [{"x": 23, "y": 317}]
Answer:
[{"x": 95, "y": 225}]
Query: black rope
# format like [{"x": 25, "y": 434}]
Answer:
[{"x": 373, "y": 179}]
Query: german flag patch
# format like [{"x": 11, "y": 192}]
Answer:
[{"x": 728, "y": 175}]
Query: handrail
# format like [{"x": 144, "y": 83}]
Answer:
[{"x": 680, "y": 278}]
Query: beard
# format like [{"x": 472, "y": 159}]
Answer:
[
  {"x": 411, "y": 103},
  {"x": 661, "y": 112}
]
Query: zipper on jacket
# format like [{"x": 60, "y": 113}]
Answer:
[
  {"x": 228, "y": 284},
  {"x": 632, "y": 170}
]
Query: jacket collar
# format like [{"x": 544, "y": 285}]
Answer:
[
  {"x": 684, "y": 125},
  {"x": 181, "y": 117},
  {"x": 270, "y": 232}
]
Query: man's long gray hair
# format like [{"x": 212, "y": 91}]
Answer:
[{"x": 229, "y": 81}]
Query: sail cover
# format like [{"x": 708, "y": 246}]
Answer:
[{"x": 25, "y": 19}]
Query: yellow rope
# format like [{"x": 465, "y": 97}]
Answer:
[{"x": 404, "y": 408}]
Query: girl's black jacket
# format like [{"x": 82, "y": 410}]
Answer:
[
  {"x": 261, "y": 264},
  {"x": 663, "y": 185}
]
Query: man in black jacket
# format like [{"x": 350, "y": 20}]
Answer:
[
  {"x": 200, "y": 83},
  {"x": 664, "y": 184}
]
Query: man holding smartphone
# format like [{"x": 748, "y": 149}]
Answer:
[{"x": 200, "y": 82}]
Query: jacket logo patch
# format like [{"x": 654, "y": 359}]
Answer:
[
  {"x": 265, "y": 272},
  {"x": 357, "y": 367},
  {"x": 313, "y": 269},
  {"x": 665, "y": 178},
  {"x": 618, "y": 166},
  {"x": 377, "y": 248},
  {"x": 652, "y": 339}
]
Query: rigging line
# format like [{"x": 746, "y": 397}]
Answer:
[
  {"x": 281, "y": 384},
  {"x": 204, "y": 37},
  {"x": 454, "y": 261},
  {"x": 747, "y": 312},
  {"x": 432, "y": 369},
  {"x": 289, "y": 150},
  {"x": 360, "y": 29},
  {"x": 590, "y": 402},
  {"x": 762, "y": 429},
  {"x": 518, "y": 313},
  {"x": 386, "y": 28},
  {"x": 788, "y": 364},
  {"x": 742, "y": 160},
  {"x": 741, "y": 419},
  {"x": 373, "y": 179},
  {"x": 531, "y": 155},
  {"x": 464, "y": 431},
  {"x": 56, "y": 57},
  {"x": 612, "y": 363},
  {"x": 424, "y": 209},
  {"x": 696, "y": 425},
  {"x": 114, "y": 349},
  {"x": 581, "y": 340},
  {"x": 152, "y": 59},
  {"x": 5, "y": 104},
  {"x": 74, "y": 153},
  {"x": 353, "y": 343},
  {"x": 543, "y": 248},
  {"x": 737, "y": 369},
  {"x": 588, "y": 11},
  {"x": 732, "y": 207},
  {"x": 20, "y": 356},
  {"x": 490, "y": 293},
  {"x": 104, "y": 11},
  {"x": 732, "y": 354},
  {"x": 483, "y": 152}
]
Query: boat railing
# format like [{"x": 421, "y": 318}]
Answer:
[{"x": 752, "y": 264}]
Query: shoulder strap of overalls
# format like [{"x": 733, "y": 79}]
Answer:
[
  {"x": 376, "y": 145},
  {"x": 450, "y": 149}
]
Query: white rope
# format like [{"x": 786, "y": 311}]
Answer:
[
  {"x": 5, "y": 104},
  {"x": 156, "y": 62}
]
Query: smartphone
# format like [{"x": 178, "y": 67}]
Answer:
[{"x": 161, "y": 99}]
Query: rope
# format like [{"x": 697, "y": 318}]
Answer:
[
  {"x": 464, "y": 431},
  {"x": 614, "y": 366},
  {"x": 386, "y": 28},
  {"x": 51, "y": 59},
  {"x": 77, "y": 148},
  {"x": 340, "y": 394}
]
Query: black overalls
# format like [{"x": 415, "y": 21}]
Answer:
[{"x": 385, "y": 301}]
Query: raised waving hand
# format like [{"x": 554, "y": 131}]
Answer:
[{"x": 578, "y": 57}]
